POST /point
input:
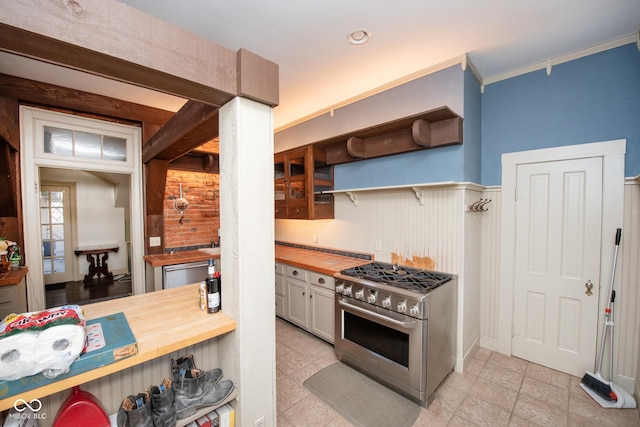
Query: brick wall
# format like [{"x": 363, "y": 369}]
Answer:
[{"x": 202, "y": 219}]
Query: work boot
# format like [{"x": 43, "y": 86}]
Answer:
[
  {"x": 163, "y": 408},
  {"x": 192, "y": 391},
  {"x": 135, "y": 411},
  {"x": 186, "y": 362}
]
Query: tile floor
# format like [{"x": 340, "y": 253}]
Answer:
[{"x": 494, "y": 391}]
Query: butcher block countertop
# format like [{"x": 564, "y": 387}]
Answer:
[
  {"x": 12, "y": 277},
  {"x": 180, "y": 257},
  {"x": 321, "y": 260},
  {"x": 156, "y": 333}
]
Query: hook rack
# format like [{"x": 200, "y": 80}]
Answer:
[{"x": 478, "y": 206}]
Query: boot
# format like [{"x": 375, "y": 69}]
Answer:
[
  {"x": 186, "y": 362},
  {"x": 135, "y": 411},
  {"x": 192, "y": 392},
  {"x": 163, "y": 408}
]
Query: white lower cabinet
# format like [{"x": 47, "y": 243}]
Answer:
[
  {"x": 307, "y": 298},
  {"x": 281, "y": 302}
]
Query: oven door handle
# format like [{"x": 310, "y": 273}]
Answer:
[{"x": 407, "y": 325}]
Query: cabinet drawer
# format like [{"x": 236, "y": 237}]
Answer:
[
  {"x": 297, "y": 273},
  {"x": 8, "y": 294},
  {"x": 280, "y": 285},
  {"x": 298, "y": 212},
  {"x": 279, "y": 268},
  {"x": 323, "y": 280}
]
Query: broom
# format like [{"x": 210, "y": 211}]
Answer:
[{"x": 594, "y": 381}]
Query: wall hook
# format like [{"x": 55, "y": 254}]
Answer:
[{"x": 478, "y": 206}]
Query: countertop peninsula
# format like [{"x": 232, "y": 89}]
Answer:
[{"x": 156, "y": 333}]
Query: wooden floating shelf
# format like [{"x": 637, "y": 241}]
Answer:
[{"x": 435, "y": 128}]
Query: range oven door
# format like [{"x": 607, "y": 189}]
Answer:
[{"x": 388, "y": 346}]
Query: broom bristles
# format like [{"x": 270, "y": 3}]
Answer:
[{"x": 599, "y": 386}]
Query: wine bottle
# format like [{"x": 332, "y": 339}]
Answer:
[{"x": 213, "y": 289}]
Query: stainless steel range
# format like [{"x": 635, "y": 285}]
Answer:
[{"x": 398, "y": 326}]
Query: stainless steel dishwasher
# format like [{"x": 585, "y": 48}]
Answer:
[{"x": 183, "y": 274}]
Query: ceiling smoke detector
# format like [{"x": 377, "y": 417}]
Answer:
[{"x": 358, "y": 37}]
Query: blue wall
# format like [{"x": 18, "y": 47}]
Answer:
[{"x": 591, "y": 99}]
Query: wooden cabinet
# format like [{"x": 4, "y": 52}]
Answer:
[
  {"x": 13, "y": 298},
  {"x": 301, "y": 175},
  {"x": 308, "y": 299}
]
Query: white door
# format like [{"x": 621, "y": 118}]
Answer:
[
  {"x": 55, "y": 224},
  {"x": 557, "y": 252}
]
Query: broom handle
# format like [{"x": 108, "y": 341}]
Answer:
[{"x": 607, "y": 311}]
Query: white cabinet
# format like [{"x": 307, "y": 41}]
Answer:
[
  {"x": 307, "y": 298},
  {"x": 281, "y": 301},
  {"x": 321, "y": 305},
  {"x": 297, "y": 287}
]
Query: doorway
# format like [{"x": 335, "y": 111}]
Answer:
[
  {"x": 566, "y": 201},
  {"x": 56, "y": 228},
  {"x": 102, "y": 160}
]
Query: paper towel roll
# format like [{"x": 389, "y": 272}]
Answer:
[
  {"x": 18, "y": 356},
  {"x": 51, "y": 351},
  {"x": 58, "y": 347}
]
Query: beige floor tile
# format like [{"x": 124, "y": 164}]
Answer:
[
  {"x": 540, "y": 412},
  {"x": 582, "y": 406},
  {"x": 548, "y": 393},
  {"x": 549, "y": 376},
  {"x": 482, "y": 354},
  {"x": 310, "y": 412},
  {"x": 462, "y": 382},
  {"x": 511, "y": 363},
  {"x": 433, "y": 417},
  {"x": 475, "y": 366},
  {"x": 503, "y": 376},
  {"x": 518, "y": 421},
  {"x": 482, "y": 413},
  {"x": 494, "y": 393},
  {"x": 447, "y": 398},
  {"x": 457, "y": 421},
  {"x": 288, "y": 393},
  {"x": 301, "y": 375}
]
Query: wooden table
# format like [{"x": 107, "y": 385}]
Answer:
[
  {"x": 97, "y": 265},
  {"x": 157, "y": 333}
]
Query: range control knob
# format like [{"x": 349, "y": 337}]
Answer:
[
  {"x": 371, "y": 299},
  {"x": 360, "y": 294},
  {"x": 347, "y": 291},
  {"x": 414, "y": 311},
  {"x": 339, "y": 289},
  {"x": 386, "y": 303},
  {"x": 402, "y": 307}
]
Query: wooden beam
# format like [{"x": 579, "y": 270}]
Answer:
[
  {"x": 155, "y": 183},
  {"x": 9, "y": 130},
  {"x": 257, "y": 78},
  {"x": 77, "y": 100},
  {"x": 193, "y": 125},
  {"x": 207, "y": 163}
]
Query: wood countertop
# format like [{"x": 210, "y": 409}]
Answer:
[
  {"x": 318, "y": 260},
  {"x": 321, "y": 260},
  {"x": 179, "y": 257},
  {"x": 156, "y": 333},
  {"x": 13, "y": 277}
]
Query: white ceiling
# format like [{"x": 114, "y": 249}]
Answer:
[{"x": 319, "y": 69}]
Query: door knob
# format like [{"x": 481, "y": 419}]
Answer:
[{"x": 589, "y": 286}]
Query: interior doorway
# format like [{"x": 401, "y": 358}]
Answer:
[
  {"x": 587, "y": 177},
  {"x": 57, "y": 228},
  {"x": 103, "y": 162}
]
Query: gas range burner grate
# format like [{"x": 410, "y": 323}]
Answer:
[{"x": 422, "y": 281}]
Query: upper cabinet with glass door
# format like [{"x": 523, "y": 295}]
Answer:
[{"x": 301, "y": 175}]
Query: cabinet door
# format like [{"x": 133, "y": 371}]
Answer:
[
  {"x": 297, "y": 302},
  {"x": 322, "y": 312},
  {"x": 281, "y": 307}
]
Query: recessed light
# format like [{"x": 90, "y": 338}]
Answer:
[{"x": 358, "y": 37}]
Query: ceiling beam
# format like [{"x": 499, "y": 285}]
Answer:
[
  {"x": 76, "y": 100},
  {"x": 193, "y": 125}
]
